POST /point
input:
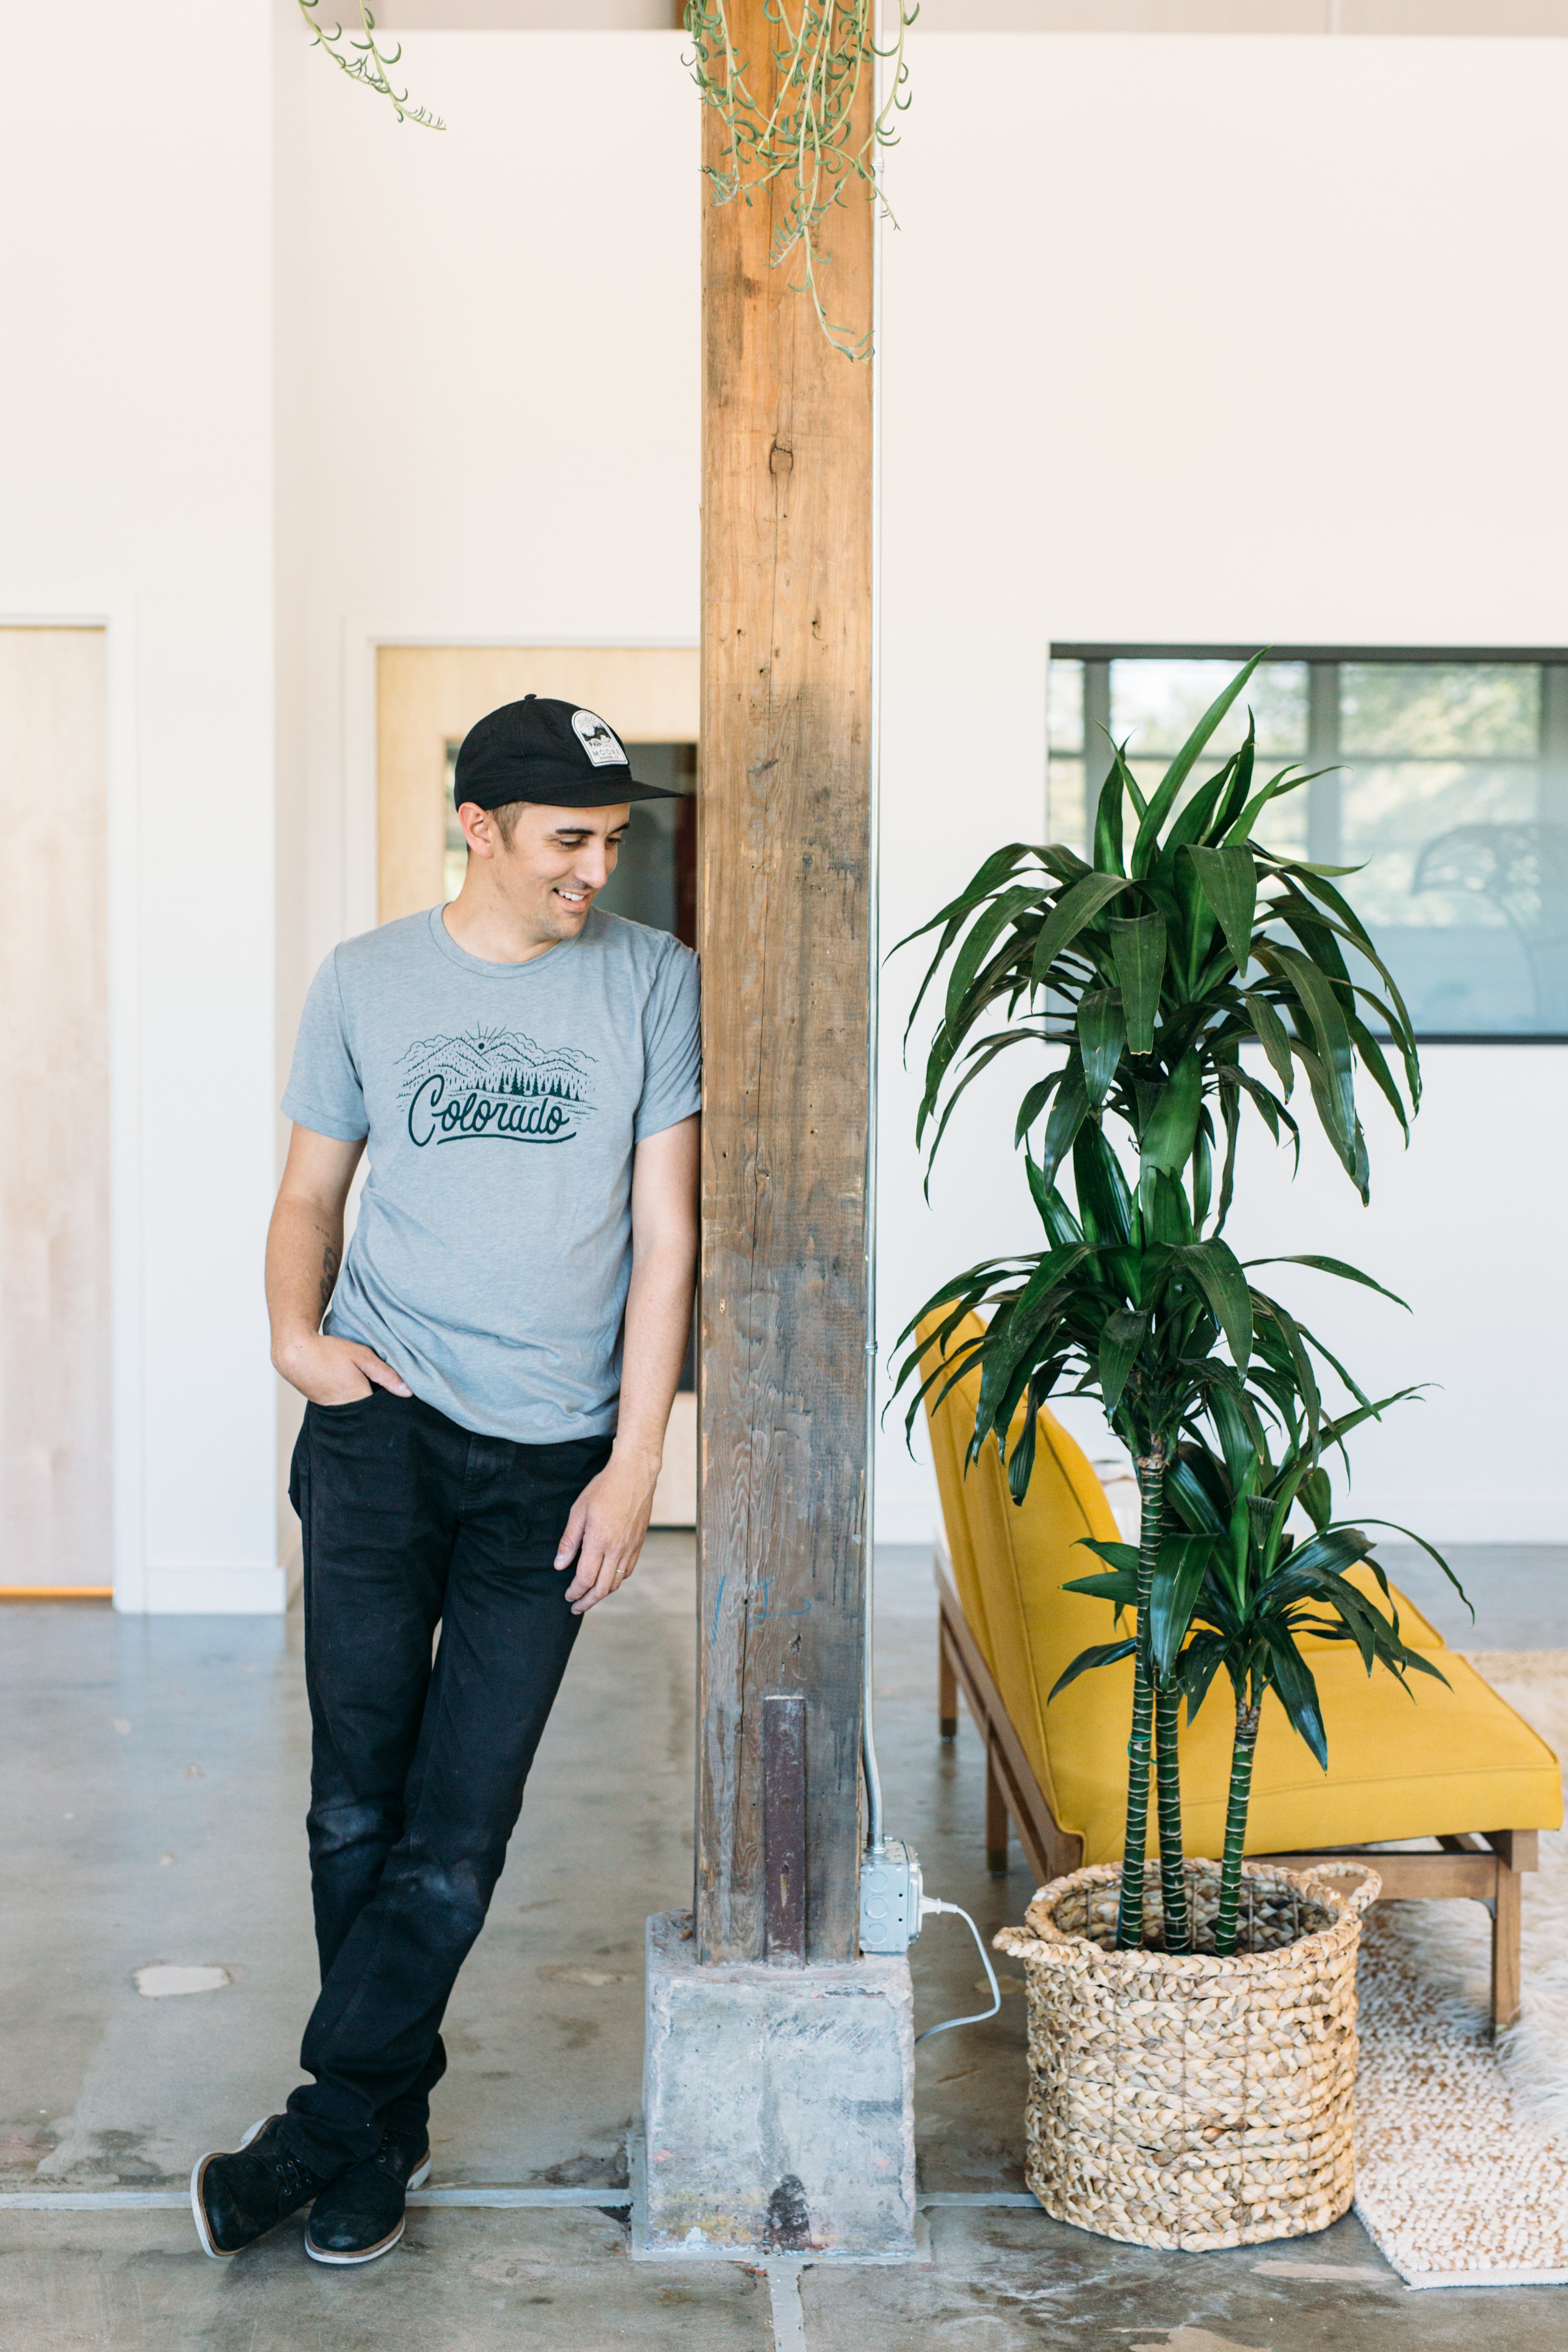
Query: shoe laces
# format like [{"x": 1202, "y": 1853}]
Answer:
[{"x": 295, "y": 2177}]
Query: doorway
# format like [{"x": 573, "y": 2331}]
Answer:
[{"x": 55, "y": 1476}]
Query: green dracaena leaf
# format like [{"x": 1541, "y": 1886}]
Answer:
[
  {"x": 1055, "y": 1214},
  {"x": 1146, "y": 846},
  {"x": 1201, "y": 1661},
  {"x": 1162, "y": 1205},
  {"x": 1285, "y": 782},
  {"x": 1122, "y": 1337},
  {"x": 1075, "y": 908},
  {"x": 1103, "y": 1654},
  {"x": 1315, "y": 994},
  {"x": 1292, "y": 1677},
  {"x": 1106, "y": 851},
  {"x": 989, "y": 876},
  {"x": 1229, "y": 879},
  {"x": 1170, "y": 1130},
  {"x": 1069, "y": 1112},
  {"x": 1137, "y": 945},
  {"x": 1274, "y": 1038},
  {"x": 1119, "y": 1586},
  {"x": 972, "y": 954},
  {"x": 1333, "y": 1266},
  {"x": 1101, "y": 1034},
  {"x": 1218, "y": 1273},
  {"x": 1179, "y": 1574},
  {"x": 1317, "y": 1498},
  {"x": 1194, "y": 824},
  {"x": 1103, "y": 1197},
  {"x": 1033, "y": 1104},
  {"x": 1121, "y": 1555}
]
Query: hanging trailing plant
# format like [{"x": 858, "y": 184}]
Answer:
[
  {"x": 365, "y": 61},
  {"x": 811, "y": 136}
]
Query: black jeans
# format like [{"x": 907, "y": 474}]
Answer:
[{"x": 418, "y": 1770}]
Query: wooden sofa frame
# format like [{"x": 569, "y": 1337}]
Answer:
[{"x": 1485, "y": 1866}]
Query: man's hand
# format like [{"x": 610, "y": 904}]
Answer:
[
  {"x": 609, "y": 1518},
  {"x": 334, "y": 1371},
  {"x": 606, "y": 1528}
]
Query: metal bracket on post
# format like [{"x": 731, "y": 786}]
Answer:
[{"x": 783, "y": 1828}]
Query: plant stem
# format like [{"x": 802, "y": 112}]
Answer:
[
  {"x": 1241, "y": 1755},
  {"x": 1130, "y": 1914},
  {"x": 1172, "y": 1877}
]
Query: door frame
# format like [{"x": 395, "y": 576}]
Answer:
[{"x": 115, "y": 615}]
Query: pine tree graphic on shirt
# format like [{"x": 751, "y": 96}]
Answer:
[{"x": 497, "y": 1086}]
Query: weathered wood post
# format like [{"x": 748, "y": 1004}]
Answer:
[
  {"x": 777, "y": 2117},
  {"x": 785, "y": 902}
]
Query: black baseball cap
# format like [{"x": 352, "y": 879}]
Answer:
[{"x": 553, "y": 752}]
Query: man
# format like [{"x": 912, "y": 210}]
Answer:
[{"x": 488, "y": 1378}]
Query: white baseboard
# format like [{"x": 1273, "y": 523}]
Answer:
[
  {"x": 1460, "y": 1519},
  {"x": 222, "y": 1592},
  {"x": 1441, "y": 1518}
]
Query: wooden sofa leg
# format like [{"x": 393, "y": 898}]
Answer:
[
  {"x": 996, "y": 1819},
  {"x": 946, "y": 1689},
  {"x": 1505, "y": 1947}
]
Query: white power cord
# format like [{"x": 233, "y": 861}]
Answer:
[{"x": 930, "y": 1902}]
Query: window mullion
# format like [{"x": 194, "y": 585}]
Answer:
[{"x": 1324, "y": 828}]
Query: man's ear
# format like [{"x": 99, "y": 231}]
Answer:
[{"x": 479, "y": 830}]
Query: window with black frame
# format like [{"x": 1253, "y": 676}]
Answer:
[{"x": 1444, "y": 782}]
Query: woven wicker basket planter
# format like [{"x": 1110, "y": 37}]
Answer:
[{"x": 1193, "y": 2101}]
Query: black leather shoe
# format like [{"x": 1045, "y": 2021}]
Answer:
[
  {"x": 238, "y": 2199},
  {"x": 361, "y": 2214}
]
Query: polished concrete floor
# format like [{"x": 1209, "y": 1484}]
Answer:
[{"x": 154, "y": 1772}]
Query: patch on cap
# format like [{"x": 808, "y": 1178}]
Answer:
[{"x": 597, "y": 740}]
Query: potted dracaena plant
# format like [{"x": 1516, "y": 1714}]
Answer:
[{"x": 1148, "y": 967}]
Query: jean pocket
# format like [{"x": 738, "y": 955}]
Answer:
[{"x": 353, "y": 1404}]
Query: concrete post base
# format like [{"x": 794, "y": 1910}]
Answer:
[{"x": 778, "y": 2105}]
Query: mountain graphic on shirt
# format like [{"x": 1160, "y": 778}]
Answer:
[{"x": 499, "y": 1061}]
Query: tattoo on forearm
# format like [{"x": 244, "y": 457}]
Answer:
[{"x": 329, "y": 1264}]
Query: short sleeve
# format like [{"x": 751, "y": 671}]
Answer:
[
  {"x": 672, "y": 1038},
  {"x": 324, "y": 1092}
]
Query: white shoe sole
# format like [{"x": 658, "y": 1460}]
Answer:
[
  {"x": 417, "y": 2179},
  {"x": 198, "y": 2169}
]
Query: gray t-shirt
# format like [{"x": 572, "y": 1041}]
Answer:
[{"x": 502, "y": 1103}]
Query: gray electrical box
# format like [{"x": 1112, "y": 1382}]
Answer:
[{"x": 889, "y": 1897}]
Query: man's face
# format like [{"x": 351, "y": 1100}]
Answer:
[{"x": 558, "y": 862}]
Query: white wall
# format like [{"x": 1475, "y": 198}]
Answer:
[
  {"x": 135, "y": 453},
  {"x": 1229, "y": 340},
  {"x": 1203, "y": 339}
]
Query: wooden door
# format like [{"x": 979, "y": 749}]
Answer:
[{"x": 55, "y": 1488}]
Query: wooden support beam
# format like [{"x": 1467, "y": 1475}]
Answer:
[{"x": 785, "y": 852}]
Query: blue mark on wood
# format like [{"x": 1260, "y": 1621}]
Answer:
[
  {"x": 767, "y": 1585},
  {"x": 766, "y": 1612}
]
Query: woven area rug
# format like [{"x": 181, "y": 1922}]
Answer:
[{"x": 1462, "y": 2147}]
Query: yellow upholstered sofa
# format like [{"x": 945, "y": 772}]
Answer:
[{"x": 1442, "y": 1764}]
